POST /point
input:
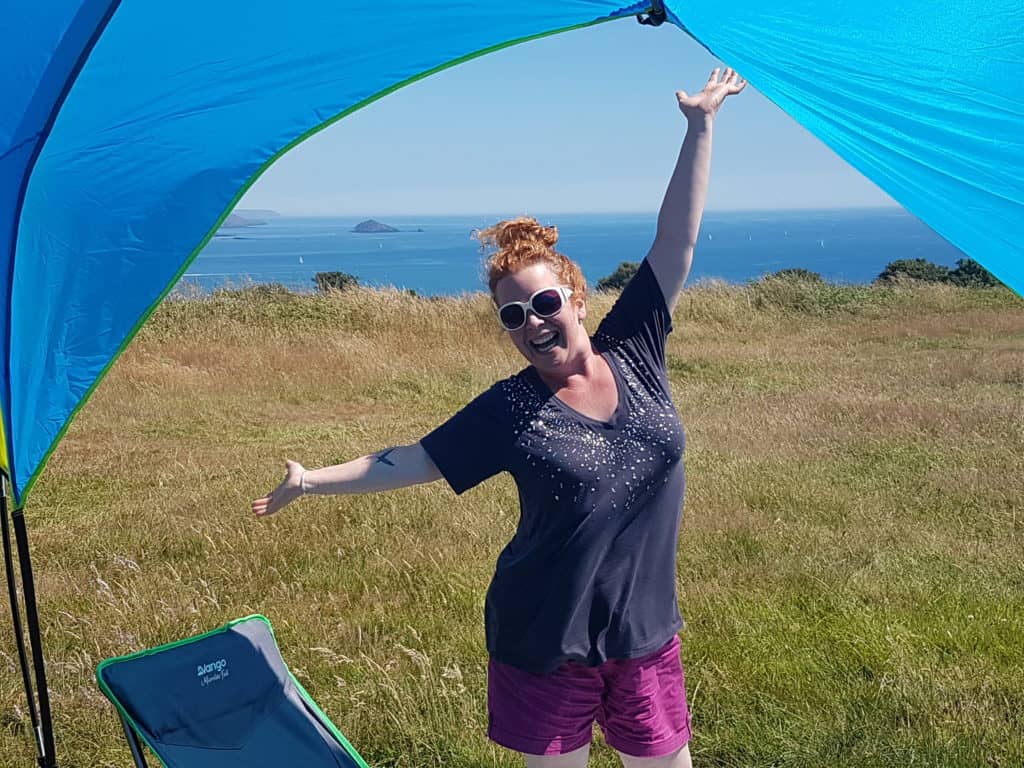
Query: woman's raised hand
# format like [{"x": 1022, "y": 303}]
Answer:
[
  {"x": 706, "y": 103},
  {"x": 288, "y": 491}
]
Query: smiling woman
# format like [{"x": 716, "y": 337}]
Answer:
[{"x": 590, "y": 433}]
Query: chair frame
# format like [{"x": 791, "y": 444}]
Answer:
[{"x": 137, "y": 743}]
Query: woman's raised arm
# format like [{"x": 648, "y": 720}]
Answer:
[{"x": 671, "y": 254}]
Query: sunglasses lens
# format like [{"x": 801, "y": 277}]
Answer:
[
  {"x": 512, "y": 316},
  {"x": 547, "y": 303}
]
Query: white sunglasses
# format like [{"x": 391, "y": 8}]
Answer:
[{"x": 547, "y": 302}]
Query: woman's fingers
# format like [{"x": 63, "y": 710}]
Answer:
[
  {"x": 267, "y": 505},
  {"x": 732, "y": 82},
  {"x": 729, "y": 77}
]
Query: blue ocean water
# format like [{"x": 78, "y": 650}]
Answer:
[{"x": 436, "y": 255}]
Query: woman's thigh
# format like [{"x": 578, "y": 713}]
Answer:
[
  {"x": 680, "y": 759},
  {"x": 575, "y": 759}
]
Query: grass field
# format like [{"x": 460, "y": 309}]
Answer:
[{"x": 852, "y": 554}]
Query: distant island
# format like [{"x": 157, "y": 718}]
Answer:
[
  {"x": 250, "y": 219},
  {"x": 257, "y": 213},
  {"x": 372, "y": 226}
]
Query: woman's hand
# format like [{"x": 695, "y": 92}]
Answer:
[
  {"x": 288, "y": 491},
  {"x": 704, "y": 105}
]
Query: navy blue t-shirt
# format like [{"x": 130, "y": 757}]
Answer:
[{"x": 590, "y": 572}]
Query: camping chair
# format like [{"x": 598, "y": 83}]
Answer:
[{"x": 224, "y": 699}]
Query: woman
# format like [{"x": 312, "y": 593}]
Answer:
[{"x": 581, "y": 615}]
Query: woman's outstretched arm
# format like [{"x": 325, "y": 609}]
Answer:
[
  {"x": 383, "y": 471},
  {"x": 679, "y": 218}
]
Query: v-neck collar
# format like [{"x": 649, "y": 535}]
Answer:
[{"x": 618, "y": 417}]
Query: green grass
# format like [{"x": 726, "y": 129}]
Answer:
[{"x": 850, "y": 560}]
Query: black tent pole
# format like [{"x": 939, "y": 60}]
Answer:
[
  {"x": 43, "y": 723},
  {"x": 28, "y": 588},
  {"x": 12, "y": 594}
]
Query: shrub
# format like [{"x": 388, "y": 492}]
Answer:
[
  {"x": 913, "y": 269},
  {"x": 254, "y": 290},
  {"x": 617, "y": 280},
  {"x": 970, "y": 274},
  {"x": 797, "y": 274},
  {"x": 335, "y": 281}
]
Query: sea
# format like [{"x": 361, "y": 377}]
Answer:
[{"x": 436, "y": 255}]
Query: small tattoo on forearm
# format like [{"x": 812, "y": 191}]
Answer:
[{"x": 382, "y": 458}]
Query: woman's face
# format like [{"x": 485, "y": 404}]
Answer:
[{"x": 547, "y": 342}]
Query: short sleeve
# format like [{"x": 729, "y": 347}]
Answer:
[
  {"x": 639, "y": 317},
  {"x": 473, "y": 444}
]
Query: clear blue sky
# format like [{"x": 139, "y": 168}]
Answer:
[{"x": 585, "y": 121}]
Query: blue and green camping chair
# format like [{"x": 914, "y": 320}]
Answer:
[{"x": 224, "y": 699}]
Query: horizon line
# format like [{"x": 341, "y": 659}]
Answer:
[{"x": 344, "y": 214}]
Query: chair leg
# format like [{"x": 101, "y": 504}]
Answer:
[{"x": 133, "y": 743}]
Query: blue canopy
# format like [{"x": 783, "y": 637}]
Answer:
[{"x": 130, "y": 130}]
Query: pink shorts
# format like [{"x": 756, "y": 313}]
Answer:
[{"x": 640, "y": 705}]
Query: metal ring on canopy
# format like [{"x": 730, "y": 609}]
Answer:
[{"x": 654, "y": 16}]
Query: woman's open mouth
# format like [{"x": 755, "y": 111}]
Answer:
[{"x": 545, "y": 342}]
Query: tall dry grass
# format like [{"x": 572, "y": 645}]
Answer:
[{"x": 851, "y": 556}]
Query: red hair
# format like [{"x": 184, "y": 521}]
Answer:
[{"x": 523, "y": 242}]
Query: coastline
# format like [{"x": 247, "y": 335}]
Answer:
[{"x": 846, "y": 246}]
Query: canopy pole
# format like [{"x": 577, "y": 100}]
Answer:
[
  {"x": 48, "y": 759},
  {"x": 19, "y": 632},
  {"x": 42, "y": 722}
]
